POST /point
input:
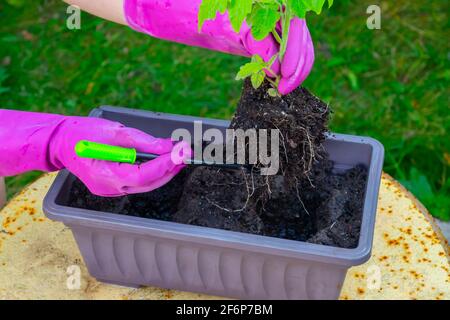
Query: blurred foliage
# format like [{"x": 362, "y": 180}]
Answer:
[
  {"x": 419, "y": 185},
  {"x": 16, "y": 3},
  {"x": 391, "y": 84}
]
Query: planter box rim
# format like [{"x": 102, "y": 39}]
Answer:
[{"x": 231, "y": 239}]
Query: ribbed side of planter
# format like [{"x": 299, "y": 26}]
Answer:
[{"x": 125, "y": 259}]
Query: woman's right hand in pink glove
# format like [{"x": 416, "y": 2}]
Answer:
[{"x": 46, "y": 142}]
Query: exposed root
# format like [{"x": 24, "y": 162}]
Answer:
[
  {"x": 249, "y": 194},
  {"x": 299, "y": 198},
  {"x": 218, "y": 206}
]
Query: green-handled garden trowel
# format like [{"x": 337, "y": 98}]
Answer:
[{"x": 99, "y": 151}]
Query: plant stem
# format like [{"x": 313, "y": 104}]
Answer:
[
  {"x": 274, "y": 83},
  {"x": 276, "y": 36},
  {"x": 286, "y": 23},
  {"x": 271, "y": 72}
]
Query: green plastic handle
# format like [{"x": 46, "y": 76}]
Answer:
[{"x": 94, "y": 150}]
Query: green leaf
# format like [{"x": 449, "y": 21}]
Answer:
[
  {"x": 263, "y": 19},
  {"x": 238, "y": 11},
  {"x": 257, "y": 79},
  {"x": 418, "y": 184},
  {"x": 249, "y": 69},
  {"x": 223, "y": 4},
  {"x": 436, "y": 202},
  {"x": 208, "y": 10},
  {"x": 272, "y": 92},
  {"x": 298, "y": 8},
  {"x": 330, "y": 3},
  {"x": 257, "y": 58},
  {"x": 315, "y": 5},
  {"x": 438, "y": 206}
]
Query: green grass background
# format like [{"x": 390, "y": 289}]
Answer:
[{"x": 390, "y": 84}]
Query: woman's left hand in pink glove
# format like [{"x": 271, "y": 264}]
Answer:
[
  {"x": 37, "y": 141},
  {"x": 177, "y": 20}
]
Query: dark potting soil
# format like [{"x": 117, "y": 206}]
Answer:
[
  {"x": 307, "y": 201},
  {"x": 328, "y": 213}
]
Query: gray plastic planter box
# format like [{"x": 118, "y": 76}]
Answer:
[{"x": 135, "y": 251}]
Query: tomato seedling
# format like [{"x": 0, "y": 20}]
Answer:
[{"x": 262, "y": 16}]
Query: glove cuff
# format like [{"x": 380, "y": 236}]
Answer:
[{"x": 26, "y": 141}]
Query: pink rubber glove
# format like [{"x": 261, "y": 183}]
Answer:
[
  {"x": 176, "y": 20},
  {"x": 46, "y": 142}
]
